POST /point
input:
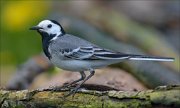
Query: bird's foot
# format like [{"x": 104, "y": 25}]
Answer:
[
  {"x": 72, "y": 92},
  {"x": 67, "y": 86},
  {"x": 58, "y": 88}
]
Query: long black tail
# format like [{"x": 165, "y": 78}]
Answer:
[
  {"x": 122, "y": 56},
  {"x": 150, "y": 58}
]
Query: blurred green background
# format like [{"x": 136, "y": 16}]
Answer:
[
  {"x": 131, "y": 22},
  {"x": 17, "y": 42}
]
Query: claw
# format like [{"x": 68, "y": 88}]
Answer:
[{"x": 72, "y": 92}]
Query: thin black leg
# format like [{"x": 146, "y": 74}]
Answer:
[
  {"x": 83, "y": 76},
  {"x": 78, "y": 86}
]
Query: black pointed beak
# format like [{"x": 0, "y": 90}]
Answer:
[{"x": 35, "y": 28}]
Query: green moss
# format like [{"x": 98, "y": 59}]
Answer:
[
  {"x": 166, "y": 97},
  {"x": 127, "y": 103},
  {"x": 92, "y": 99}
]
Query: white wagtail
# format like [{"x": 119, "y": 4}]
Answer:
[{"x": 72, "y": 53}]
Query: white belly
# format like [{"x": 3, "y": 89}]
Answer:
[{"x": 81, "y": 65}]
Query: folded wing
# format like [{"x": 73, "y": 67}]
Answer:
[{"x": 94, "y": 53}]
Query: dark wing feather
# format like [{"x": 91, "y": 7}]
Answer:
[{"x": 93, "y": 53}]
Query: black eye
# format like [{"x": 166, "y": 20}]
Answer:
[{"x": 49, "y": 26}]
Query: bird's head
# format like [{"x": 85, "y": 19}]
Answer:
[{"x": 49, "y": 27}]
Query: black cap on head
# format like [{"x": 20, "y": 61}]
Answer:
[{"x": 55, "y": 22}]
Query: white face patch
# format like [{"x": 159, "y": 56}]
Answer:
[{"x": 50, "y": 28}]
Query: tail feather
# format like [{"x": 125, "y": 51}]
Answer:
[
  {"x": 150, "y": 58},
  {"x": 121, "y": 56}
]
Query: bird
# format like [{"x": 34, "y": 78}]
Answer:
[{"x": 72, "y": 53}]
